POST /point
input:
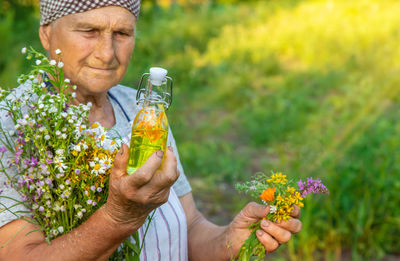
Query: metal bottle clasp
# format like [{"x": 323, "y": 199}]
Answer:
[{"x": 142, "y": 90}]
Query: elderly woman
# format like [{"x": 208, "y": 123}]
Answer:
[{"x": 97, "y": 39}]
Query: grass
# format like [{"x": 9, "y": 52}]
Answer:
[{"x": 310, "y": 88}]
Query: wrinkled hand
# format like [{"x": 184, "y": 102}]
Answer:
[
  {"x": 132, "y": 197},
  {"x": 271, "y": 234}
]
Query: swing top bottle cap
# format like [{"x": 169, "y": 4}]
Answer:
[{"x": 157, "y": 75}]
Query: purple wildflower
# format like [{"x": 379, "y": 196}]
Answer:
[
  {"x": 21, "y": 141},
  {"x": 3, "y": 149},
  {"x": 93, "y": 188},
  {"x": 34, "y": 161},
  {"x": 18, "y": 153},
  {"x": 311, "y": 186},
  {"x": 301, "y": 185},
  {"x": 39, "y": 193},
  {"x": 77, "y": 171},
  {"x": 49, "y": 182},
  {"x": 49, "y": 161}
]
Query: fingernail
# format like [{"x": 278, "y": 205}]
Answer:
[
  {"x": 265, "y": 223},
  {"x": 160, "y": 153},
  {"x": 170, "y": 149},
  {"x": 259, "y": 233}
]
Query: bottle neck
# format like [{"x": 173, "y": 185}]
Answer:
[{"x": 155, "y": 96}]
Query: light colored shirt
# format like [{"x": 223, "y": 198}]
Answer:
[{"x": 167, "y": 235}]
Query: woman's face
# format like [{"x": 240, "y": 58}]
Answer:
[{"x": 96, "y": 46}]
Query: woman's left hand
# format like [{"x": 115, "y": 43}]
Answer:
[{"x": 271, "y": 234}]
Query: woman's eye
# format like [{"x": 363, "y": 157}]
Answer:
[{"x": 88, "y": 31}]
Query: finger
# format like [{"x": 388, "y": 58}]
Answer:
[
  {"x": 295, "y": 212},
  {"x": 293, "y": 225},
  {"x": 280, "y": 234},
  {"x": 121, "y": 161},
  {"x": 169, "y": 170},
  {"x": 145, "y": 173},
  {"x": 269, "y": 242},
  {"x": 255, "y": 211}
]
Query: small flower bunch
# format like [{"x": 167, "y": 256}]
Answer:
[
  {"x": 281, "y": 195},
  {"x": 51, "y": 156}
]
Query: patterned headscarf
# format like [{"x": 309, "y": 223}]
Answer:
[{"x": 51, "y": 10}]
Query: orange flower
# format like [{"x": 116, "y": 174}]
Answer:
[{"x": 268, "y": 194}]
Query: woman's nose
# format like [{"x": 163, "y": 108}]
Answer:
[{"x": 105, "y": 49}]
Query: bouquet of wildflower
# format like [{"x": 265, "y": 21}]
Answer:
[
  {"x": 50, "y": 155},
  {"x": 281, "y": 194}
]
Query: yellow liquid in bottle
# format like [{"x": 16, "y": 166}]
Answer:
[{"x": 146, "y": 141}]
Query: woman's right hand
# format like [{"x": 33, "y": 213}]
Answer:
[{"x": 131, "y": 198}]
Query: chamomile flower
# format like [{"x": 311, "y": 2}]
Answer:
[
  {"x": 67, "y": 193},
  {"x": 98, "y": 169},
  {"x": 106, "y": 161}
]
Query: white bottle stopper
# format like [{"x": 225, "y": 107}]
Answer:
[{"x": 157, "y": 75}]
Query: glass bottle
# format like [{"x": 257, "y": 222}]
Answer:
[{"x": 150, "y": 126}]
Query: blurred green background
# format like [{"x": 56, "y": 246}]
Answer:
[{"x": 309, "y": 88}]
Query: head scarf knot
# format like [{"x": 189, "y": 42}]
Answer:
[{"x": 51, "y": 10}]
